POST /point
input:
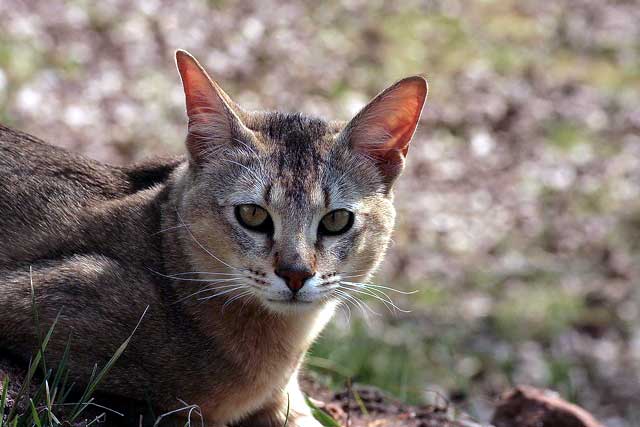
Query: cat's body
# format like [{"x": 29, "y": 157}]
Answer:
[
  {"x": 62, "y": 219},
  {"x": 100, "y": 244}
]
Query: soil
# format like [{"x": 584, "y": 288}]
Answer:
[
  {"x": 366, "y": 406},
  {"x": 521, "y": 407}
]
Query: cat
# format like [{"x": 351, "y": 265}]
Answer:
[{"x": 236, "y": 253}]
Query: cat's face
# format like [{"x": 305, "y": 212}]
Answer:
[{"x": 287, "y": 207}]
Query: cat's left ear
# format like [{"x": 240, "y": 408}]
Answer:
[
  {"x": 213, "y": 116},
  {"x": 383, "y": 129}
]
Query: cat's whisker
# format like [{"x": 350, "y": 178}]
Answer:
[
  {"x": 367, "y": 289},
  {"x": 220, "y": 291},
  {"x": 189, "y": 279},
  {"x": 344, "y": 306},
  {"x": 212, "y": 281},
  {"x": 207, "y": 273},
  {"x": 386, "y": 300},
  {"x": 232, "y": 299},
  {"x": 376, "y": 290},
  {"x": 200, "y": 244},
  {"x": 355, "y": 273},
  {"x": 347, "y": 311},
  {"x": 370, "y": 285},
  {"x": 363, "y": 305},
  {"x": 225, "y": 292},
  {"x": 208, "y": 289},
  {"x": 351, "y": 276},
  {"x": 168, "y": 229},
  {"x": 360, "y": 271},
  {"x": 246, "y": 301},
  {"x": 343, "y": 302}
]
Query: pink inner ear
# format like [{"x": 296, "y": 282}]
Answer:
[
  {"x": 209, "y": 119},
  {"x": 389, "y": 121},
  {"x": 401, "y": 128},
  {"x": 200, "y": 95}
]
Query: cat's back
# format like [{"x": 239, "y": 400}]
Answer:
[
  {"x": 27, "y": 163},
  {"x": 45, "y": 191}
]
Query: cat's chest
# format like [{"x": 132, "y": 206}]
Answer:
[
  {"x": 258, "y": 357},
  {"x": 259, "y": 371}
]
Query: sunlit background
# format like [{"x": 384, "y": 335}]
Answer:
[{"x": 519, "y": 212}]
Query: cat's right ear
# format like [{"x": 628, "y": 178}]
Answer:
[
  {"x": 383, "y": 129},
  {"x": 212, "y": 119}
]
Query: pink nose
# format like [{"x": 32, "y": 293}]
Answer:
[{"x": 294, "y": 278}]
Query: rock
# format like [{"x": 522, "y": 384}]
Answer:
[{"x": 526, "y": 406}]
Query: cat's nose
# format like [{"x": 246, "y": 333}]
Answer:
[{"x": 294, "y": 277}]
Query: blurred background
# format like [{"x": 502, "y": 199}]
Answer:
[{"x": 519, "y": 212}]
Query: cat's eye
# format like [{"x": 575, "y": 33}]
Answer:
[
  {"x": 254, "y": 218},
  {"x": 336, "y": 222}
]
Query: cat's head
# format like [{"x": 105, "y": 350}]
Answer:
[{"x": 285, "y": 207}]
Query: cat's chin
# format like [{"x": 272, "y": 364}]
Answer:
[{"x": 291, "y": 306}]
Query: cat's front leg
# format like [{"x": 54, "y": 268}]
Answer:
[{"x": 288, "y": 405}]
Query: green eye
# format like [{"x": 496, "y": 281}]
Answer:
[
  {"x": 254, "y": 217},
  {"x": 336, "y": 222}
]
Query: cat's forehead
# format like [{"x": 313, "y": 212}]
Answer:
[
  {"x": 294, "y": 163},
  {"x": 296, "y": 153},
  {"x": 293, "y": 133},
  {"x": 296, "y": 148}
]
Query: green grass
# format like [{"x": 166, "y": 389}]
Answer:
[
  {"x": 413, "y": 357},
  {"x": 322, "y": 417},
  {"x": 52, "y": 394},
  {"x": 359, "y": 354}
]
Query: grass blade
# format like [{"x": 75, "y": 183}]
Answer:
[
  {"x": 47, "y": 396},
  {"x": 61, "y": 372},
  {"x": 360, "y": 403},
  {"x": 34, "y": 414},
  {"x": 3, "y": 399},
  {"x": 33, "y": 365},
  {"x": 286, "y": 420},
  {"x": 99, "y": 419},
  {"x": 322, "y": 417},
  {"x": 98, "y": 378}
]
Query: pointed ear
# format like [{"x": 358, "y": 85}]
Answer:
[
  {"x": 212, "y": 119},
  {"x": 383, "y": 129}
]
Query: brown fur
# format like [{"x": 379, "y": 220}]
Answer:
[{"x": 103, "y": 243}]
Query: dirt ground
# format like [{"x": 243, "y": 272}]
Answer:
[
  {"x": 523, "y": 406},
  {"x": 354, "y": 406}
]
